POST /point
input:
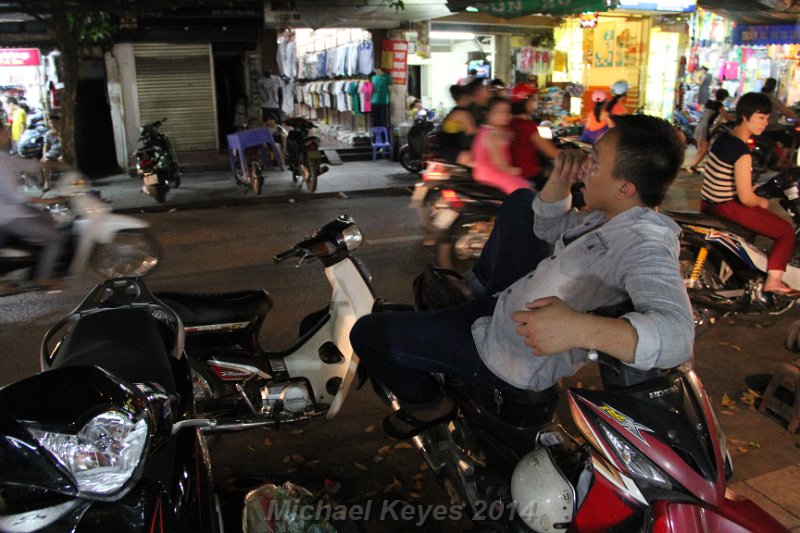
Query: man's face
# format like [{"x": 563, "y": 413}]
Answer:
[{"x": 600, "y": 186}]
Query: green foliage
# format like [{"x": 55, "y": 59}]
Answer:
[{"x": 90, "y": 27}]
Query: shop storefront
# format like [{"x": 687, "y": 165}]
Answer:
[
  {"x": 767, "y": 52},
  {"x": 22, "y": 75}
]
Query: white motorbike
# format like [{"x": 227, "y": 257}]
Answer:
[
  {"x": 242, "y": 386},
  {"x": 113, "y": 245}
]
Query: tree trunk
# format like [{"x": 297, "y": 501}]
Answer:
[{"x": 70, "y": 63}]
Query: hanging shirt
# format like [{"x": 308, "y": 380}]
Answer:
[
  {"x": 355, "y": 102},
  {"x": 287, "y": 58},
  {"x": 365, "y": 58},
  {"x": 365, "y": 96},
  {"x": 288, "y": 96},
  {"x": 270, "y": 87},
  {"x": 352, "y": 59},
  {"x": 380, "y": 88}
]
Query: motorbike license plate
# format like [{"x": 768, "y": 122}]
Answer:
[
  {"x": 150, "y": 179},
  {"x": 418, "y": 196},
  {"x": 444, "y": 218}
]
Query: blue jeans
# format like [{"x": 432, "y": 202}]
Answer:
[{"x": 401, "y": 350}]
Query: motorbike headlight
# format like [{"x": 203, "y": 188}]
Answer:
[
  {"x": 352, "y": 237},
  {"x": 639, "y": 467},
  {"x": 103, "y": 454}
]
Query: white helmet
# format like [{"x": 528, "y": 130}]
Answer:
[
  {"x": 619, "y": 88},
  {"x": 543, "y": 497}
]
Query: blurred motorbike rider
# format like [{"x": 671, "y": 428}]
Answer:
[
  {"x": 526, "y": 143},
  {"x": 544, "y": 268},
  {"x": 18, "y": 218},
  {"x": 458, "y": 128}
]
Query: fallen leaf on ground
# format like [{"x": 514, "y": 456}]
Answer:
[
  {"x": 754, "y": 445},
  {"x": 360, "y": 466},
  {"x": 736, "y": 442},
  {"x": 418, "y": 484},
  {"x": 392, "y": 486},
  {"x": 743, "y": 450},
  {"x": 370, "y": 429},
  {"x": 292, "y": 470},
  {"x": 370, "y": 494},
  {"x": 287, "y": 458},
  {"x": 251, "y": 448},
  {"x": 729, "y": 413},
  {"x": 414, "y": 496},
  {"x": 298, "y": 459},
  {"x": 423, "y": 466},
  {"x": 267, "y": 441},
  {"x": 383, "y": 450},
  {"x": 402, "y": 446},
  {"x": 377, "y": 459},
  {"x": 297, "y": 432},
  {"x": 726, "y": 401},
  {"x": 418, "y": 477},
  {"x": 312, "y": 463}
]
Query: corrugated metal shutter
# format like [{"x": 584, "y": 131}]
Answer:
[{"x": 175, "y": 81}]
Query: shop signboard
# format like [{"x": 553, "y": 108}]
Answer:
[
  {"x": 19, "y": 57},
  {"x": 519, "y": 8},
  {"x": 678, "y": 6},
  {"x": 394, "y": 58},
  {"x": 746, "y": 34}
]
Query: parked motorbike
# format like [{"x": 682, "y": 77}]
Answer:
[
  {"x": 415, "y": 153},
  {"x": 236, "y": 381},
  {"x": 156, "y": 162},
  {"x": 254, "y": 178},
  {"x": 303, "y": 154},
  {"x": 31, "y": 142},
  {"x": 683, "y": 122},
  {"x": 724, "y": 270},
  {"x": 653, "y": 457},
  {"x": 111, "y": 244},
  {"x": 106, "y": 437}
]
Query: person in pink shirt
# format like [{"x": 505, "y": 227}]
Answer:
[{"x": 491, "y": 150}]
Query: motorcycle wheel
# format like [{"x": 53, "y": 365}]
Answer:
[
  {"x": 310, "y": 171},
  {"x": 702, "y": 316},
  {"x": 158, "y": 192},
  {"x": 256, "y": 176},
  {"x": 407, "y": 162},
  {"x": 461, "y": 245},
  {"x": 174, "y": 180},
  {"x": 131, "y": 253}
]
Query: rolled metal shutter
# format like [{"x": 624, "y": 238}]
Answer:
[{"x": 175, "y": 81}]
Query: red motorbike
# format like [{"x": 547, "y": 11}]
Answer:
[{"x": 652, "y": 457}]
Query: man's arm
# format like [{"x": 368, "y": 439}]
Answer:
[{"x": 660, "y": 333}]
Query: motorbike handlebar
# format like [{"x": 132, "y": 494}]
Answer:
[{"x": 283, "y": 256}]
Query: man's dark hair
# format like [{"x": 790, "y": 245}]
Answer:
[
  {"x": 649, "y": 154},
  {"x": 769, "y": 85},
  {"x": 494, "y": 100},
  {"x": 751, "y": 103},
  {"x": 721, "y": 94},
  {"x": 12, "y": 100}
]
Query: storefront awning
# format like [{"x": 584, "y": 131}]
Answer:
[
  {"x": 746, "y": 34},
  {"x": 518, "y": 8}
]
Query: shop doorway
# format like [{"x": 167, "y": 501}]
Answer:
[
  {"x": 94, "y": 133},
  {"x": 415, "y": 81},
  {"x": 229, "y": 84},
  {"x": 662, "y": 73}
]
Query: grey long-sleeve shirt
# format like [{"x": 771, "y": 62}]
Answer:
[{"x": 633, "y": 256}]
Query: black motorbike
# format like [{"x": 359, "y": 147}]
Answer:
[
  {"x": 105, "y": 438},
  {"x": 414, "y": 154},
  {"x": 31, "y": 143},
  {"x": 156, "y": 162},
  {"x": 303, "y": 154}
]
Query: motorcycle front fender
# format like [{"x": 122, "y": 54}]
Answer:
[{"x": 736, "y": 513}]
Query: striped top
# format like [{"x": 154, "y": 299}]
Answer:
[{"x": 719, "y": 182}]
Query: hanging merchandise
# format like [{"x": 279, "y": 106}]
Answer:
[{"x": 537, "y": 61}]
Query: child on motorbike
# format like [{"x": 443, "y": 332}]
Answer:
[
  {"x": 491, "y": 150},
  {"x": 544, "y": 267},
  {"x": 728, "y": 188}
]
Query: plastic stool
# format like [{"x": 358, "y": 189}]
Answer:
[
  {"x": 787, "y": 377},
  {"x": 261, "y": 137},
  {"x": 379, "y": 139}
]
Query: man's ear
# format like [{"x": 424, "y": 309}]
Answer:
[{"x": 626, "y": 190}]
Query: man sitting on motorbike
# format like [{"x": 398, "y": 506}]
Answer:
[
  {"x": 728, "y": 188},
  {"x": 19, "y": 219},
  {"x": 458, "y": 128},
  {"x": 543, "y": 269}
]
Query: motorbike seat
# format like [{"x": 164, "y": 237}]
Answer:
[
  {"x": 125, "y": 342},
  {"x": 196, "y": 309},
  {"x": 521, "y": 408},
  {"x": 701, "y": 219}
]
